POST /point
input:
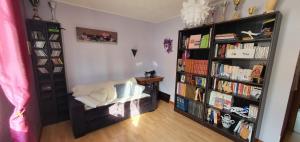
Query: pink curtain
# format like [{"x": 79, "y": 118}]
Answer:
[{"x": 13, "y": 64}]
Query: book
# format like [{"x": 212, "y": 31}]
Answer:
[
  {"x": 57, "y": 69},
  {"x": 204, "y": 41},
  {"x": 43, "y": 70},
  {"x": 39, "y": 44},
  {"x": 194, "y": 41},
  {"x": 41, "y": 62},
  {"x": 253, "y": 110}
]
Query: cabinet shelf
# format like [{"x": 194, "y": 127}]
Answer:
[
  {"x": 233, "y": 27},
  {"x": 39, "y": 35}
]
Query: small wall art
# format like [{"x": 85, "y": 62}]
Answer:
[
  {"x": 168, "y": 45},
  {"x": 93, "y": 35}
]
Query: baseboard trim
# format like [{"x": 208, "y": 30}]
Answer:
[
  {"x": 164, "y": 96},
  {"x": 258, "y": 140}
]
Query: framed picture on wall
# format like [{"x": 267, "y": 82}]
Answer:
[{"x": 93, "y": 35}]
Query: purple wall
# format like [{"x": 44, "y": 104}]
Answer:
[{"x": 32, "y": 112}]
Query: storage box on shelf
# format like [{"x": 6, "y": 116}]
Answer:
[{"x": 237, "y": 71}]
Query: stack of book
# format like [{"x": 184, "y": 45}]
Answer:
[
  {"x": 228, "y": 36},
  {"x": 196, "y": 109},
  {"x": 43, "y": 70},
  {"x": 53, "y": 37},
  {"x": 200, "y": 81},
  {"x": 236, "y": 73},
  {"x": 196, "y": 41},
  {"x": 231, "y": 72},
  {"x": 39, "y": 44},
  {"x": 238, "y": 89},
  {"x": 40, "y": 53},
  {"x": 213, "y": 116},
  {"x": 55, "y": 53},
  {"x": 181, "y": 89},
  {"x": 41, "y": 62},
  {"x": 196, "y": 66},
  {"x": 55, "y": 45},
  {"x": 37, "y": 35},
  {"x": 205, "y": 41},
  {"x": 182, "y": 104},
  {"x": 244, "y": 129},
  {"x": 239, "y": 50},
  {"x": 57, "y": 61},
  {"x": 220, "y": 100},
  {"x": 57, "y": 69}
]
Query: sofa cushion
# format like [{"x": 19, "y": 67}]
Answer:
[
  {"x": 87, "y": 100},
  {"x": 100, "y": 96},
  {"x": 123, "y": 90}
]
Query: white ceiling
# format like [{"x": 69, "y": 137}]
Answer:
[{"x": 154, "y": 11}]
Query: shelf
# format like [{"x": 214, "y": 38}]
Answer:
[
  {"x": 240, "y": 59},
  {"x": 189, "y": 115},
  {"x": 226, "y": 132},
  {"x": 194, "y": 74},
  {"x": 252, "y": 120},
  {"x": 242, "y": 41},
  {"x": 198, "y": 86},
  {"x": 197, "y": 49},
  {"x": 239, "y": 96},
  {"x": 190, "y": 99},
  {"x": 238, "y": 81}
]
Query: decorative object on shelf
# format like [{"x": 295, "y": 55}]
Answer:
[
  {"x": 35, "y": 4},
  {"x": 150, "y": 74},
  {"x": 52, "y": 6},
  {"x": 236, "y": 14},
  {"x": 224, "y": 6},
  {"x": 249, "y": 34},
  {"x": 194, "y": 12},
  {"x": 227, "y": 121},
  {"x": 93, "y": 35},
  {"x": 270, "y": 6},
  {"x": 134, "y": 51},
  {"x": 251, "y": 10},
  {"x": 240, "y": 111},
  {"x": 168, "y": 45}
]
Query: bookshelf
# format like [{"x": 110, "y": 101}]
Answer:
[
  {"x": 45, "y": 44},
  {"x": 236, "y": 75}
]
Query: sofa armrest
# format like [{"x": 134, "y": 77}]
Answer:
[{"x": 77, "y": 117}]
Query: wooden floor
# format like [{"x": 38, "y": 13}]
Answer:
[
  {"x": 292, "y": 137},
  {"x": 162, "y": 125}
]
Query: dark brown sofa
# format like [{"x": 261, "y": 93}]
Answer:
[{"x": 84, "y": 121}]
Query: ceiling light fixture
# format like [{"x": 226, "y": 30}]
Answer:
[{"x": 194, "y": 12}]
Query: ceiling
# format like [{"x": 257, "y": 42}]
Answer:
[{"x": 154, "y": 11}]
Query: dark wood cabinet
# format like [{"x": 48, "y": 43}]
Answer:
[
  {"x": 212, "y": 56},
  {"x": 45, "y": 42}
]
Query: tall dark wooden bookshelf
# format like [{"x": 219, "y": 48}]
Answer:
[
  {"x": 182, "y": 103},
  {"x": 48, "y": 66}
]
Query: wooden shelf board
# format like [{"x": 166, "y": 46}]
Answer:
[
  {"x": 240, "y": 59},
  {"x": 194, "y": 74},
  {"x": 242, "y": 41}
]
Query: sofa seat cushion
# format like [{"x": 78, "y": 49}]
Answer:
[{"x": 120, "y": 100}]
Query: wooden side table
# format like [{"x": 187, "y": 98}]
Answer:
[{"x": 153, "y": 83}]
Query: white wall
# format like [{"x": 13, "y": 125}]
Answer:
[
  {"x": 94, "y": 62},
  {"x": 282, "y": 72}
]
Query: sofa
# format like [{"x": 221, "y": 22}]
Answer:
[{"x": 99, "y": 105}]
